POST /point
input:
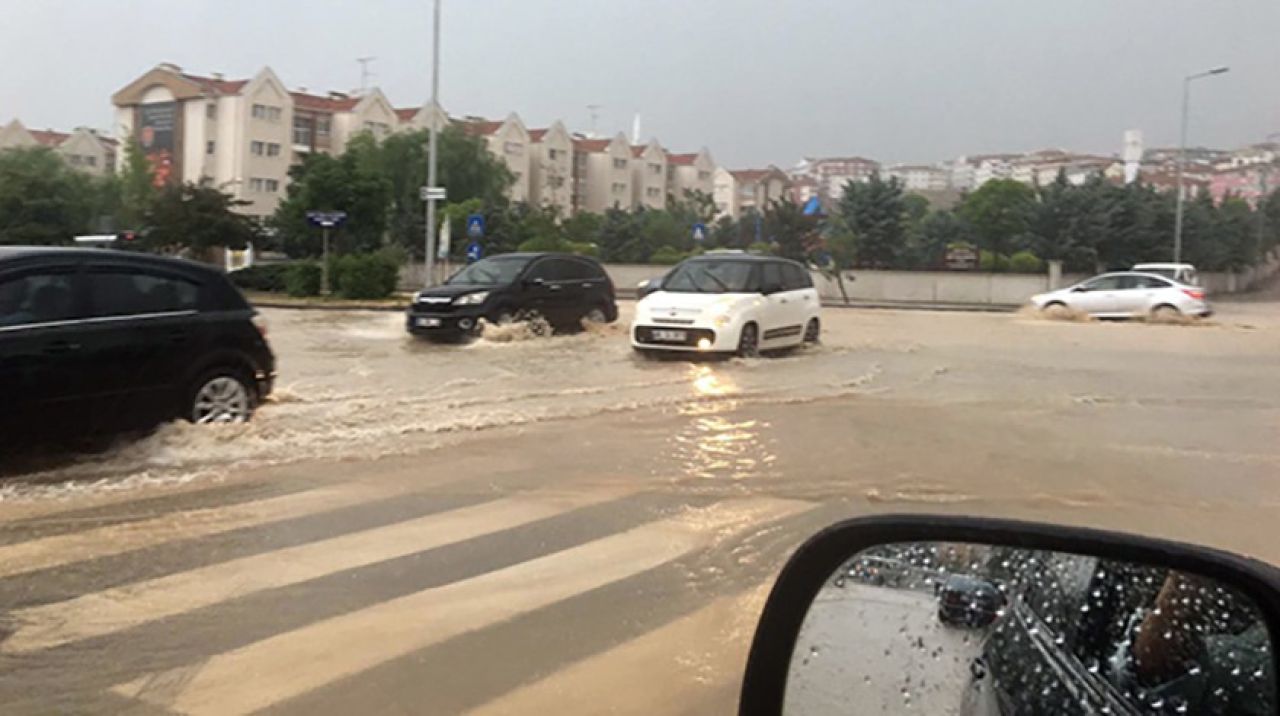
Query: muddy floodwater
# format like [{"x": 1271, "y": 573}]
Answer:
[{"x": 588, "y": 521}]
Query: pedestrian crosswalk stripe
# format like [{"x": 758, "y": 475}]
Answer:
[
  {"x": 115, "y": 539},
  {"x": 120, "y": 608},
  {"x": 687, "y": 657},
  {"x": 292, "y": 663}
]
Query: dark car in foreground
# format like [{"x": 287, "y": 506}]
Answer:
[
  {"x": 560, "y": 288},
  {"x": 98, "y": 341}
]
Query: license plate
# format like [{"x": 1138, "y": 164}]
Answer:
[
  {"x": 428, "y": 322},
  {"x": 669, "y": 336}
]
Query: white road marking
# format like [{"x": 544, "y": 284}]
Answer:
[
  {"x": 293, "y": 663},
  {"x": 691, "y": 658},
  {"x": 109, "y": 540},
  {"x": 123, "y": 607}
]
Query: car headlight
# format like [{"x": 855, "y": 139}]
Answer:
[{"x": 471, "y": 299}]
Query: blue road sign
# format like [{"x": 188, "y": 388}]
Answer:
[
  {"x": 326, "y": 219},
  {"x": 699, "y": 232},
  {"x": 475, "y": 226},
  {"x": 474, "y": 251},
  {"x": 813, "y": 207}
]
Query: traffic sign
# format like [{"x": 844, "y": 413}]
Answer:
[
  {"x": 326, "y": 219},
  {"x": 474, "y": 251},
  {"x": 442, "y": 250},
  {"x": 699, "y": 232},
  {"x": 432, "y": 193},
  {"x": 475, "y": 226}
]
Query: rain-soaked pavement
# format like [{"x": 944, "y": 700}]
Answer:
[{"x": 526, "y": 523}]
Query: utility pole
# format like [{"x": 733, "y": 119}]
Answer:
[
  {"x": 594, "y": 109},
  {"x": 1182, "y": 157},
  {"x": 429, "y": 278},
  {"x": 365, "y": 74}
]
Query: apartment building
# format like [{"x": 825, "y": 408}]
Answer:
[
  {"x": 919, "y": 177},
  {"x": 649, "y": 176},
  {"x": 551, "y": 167},
  {"x": 508, "y": 140},
  {"x": 1250, "y": 181},
  {"x": 690, "y": 172},
  {"x": 833, "y": 173},
  {"x": 83, "y": 149},
  {"x": 241, "y": 134},
  {"x": 602, "y": 174},
  {"x": 744, "y": 190}
]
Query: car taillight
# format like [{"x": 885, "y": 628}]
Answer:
[
  {"x": 260, "y": 323},
  {"x": 1195, "y": 293}
]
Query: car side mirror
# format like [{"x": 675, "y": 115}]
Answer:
[
  {"x": 969, "y": 615},
  {"x": 648, "y": 286},
  {"x": 1079, "y": 289},
  {"x": 534, "y": 282}
]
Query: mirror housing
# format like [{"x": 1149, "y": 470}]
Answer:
[
  {"x": 1079, "y": 289},
  {"x": 811, "y": 568},
  {"x": 648, "y": 286}
]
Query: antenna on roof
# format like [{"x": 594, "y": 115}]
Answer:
[
  {"x": 594, "y": 109},
  {"x": 365, "y": 73}
]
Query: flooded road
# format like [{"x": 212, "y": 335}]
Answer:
[{"x": 521, "y": 521}]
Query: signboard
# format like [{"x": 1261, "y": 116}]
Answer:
[
  {"x": 442, "y": 250},
  {"x": 961, "y": 258},
  {"x": 474, "y": 252},
  {"x": 326, "y": 219},
  {"x": 813, "y": 207},
  {"x": 432, "y": 193},
  {"x": 157, "y": 134},
  {"x": 475, "y": 226},
  {"x": 699, "y": 232}
]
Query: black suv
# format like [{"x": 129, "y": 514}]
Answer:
[
  {"x": 561, "y": 288},
  {"x": 98, "y": 341}
]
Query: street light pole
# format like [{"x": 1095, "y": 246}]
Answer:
[
  {"x": 1182, "y": 156},
  {"x": 428, "y": 279}
]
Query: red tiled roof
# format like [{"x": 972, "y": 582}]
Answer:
[
  {"x": 591, "y": 145},
  {"x": 303, "y": 100},
  {"x": 638, "y": 151},
  {"x": 481, "y": 128},
  {"x": 536, "y": 135},
  {"x": 748, "y": 176},
  {"x": 681, "y": 160},
  {"x": 216, "y": 86},
  {"x": 407, "y": 114},
  {"x": 49, "y": 138},
  {"x": 843, "y": 160}
]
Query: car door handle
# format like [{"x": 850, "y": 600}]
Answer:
[
  {"x": 554, "y": 286},
  {"x": 61, "y": 347}
]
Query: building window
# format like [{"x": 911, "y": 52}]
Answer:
[
  {"x": 273, "y": 185},
  {"x": 91, "y": 161},
  {"x": 211, "y": 110},
  {"x": 619, "y": 163},
  {"x": 302, "y": 130},
  {"x": 262, "y": 111},
  {"x": 257, "y": 148},
  {"x": 703, "y": 176},
  {"x": 653, "y": 192},
  {"x": 74, "y": 159},
  {"x": 256, "y": 184},
  {"x": 655, "y": 169},
  {"x": 322, "y": 126},
  {"x": 208, "y": 147},
  {"x": 553, "y": 154},
  {"x": 264, "y": 186},
  {"x": 377, "y": 128},
  {"x": 273, "y": 150},
  {"x": 513, "y": 147},
  {"x": 619, "y": 187}
]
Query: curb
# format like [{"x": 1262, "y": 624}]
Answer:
[{"x": 873, "y": 305}]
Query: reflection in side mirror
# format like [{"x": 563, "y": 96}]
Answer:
[
  {"x": 1079, "y": 289},
  {"x": 983, "y": 627}
]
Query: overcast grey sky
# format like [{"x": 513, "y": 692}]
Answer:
[{"x": 757, "y": 81}]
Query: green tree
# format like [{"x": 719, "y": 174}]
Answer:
[
  {"x": 137, "y": 186},
  {"x": 194, "y": 218},
  {"x": 349, "y": 183},
  {"x": 1000, "y": 212},
  {"x": 794, "y": 233},
  {"x": 42, "y": 200},
  {"x": 875, "y": 213}
]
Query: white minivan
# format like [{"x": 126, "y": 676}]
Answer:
[{"x": 729, "y": 303}]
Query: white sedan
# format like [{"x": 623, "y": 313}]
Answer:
[
  {"x": 729, "y": 303},
  {"x": 1128, "y": 294}
]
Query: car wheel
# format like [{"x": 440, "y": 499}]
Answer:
[
  {"x": 596, "y": 315},
  {"x": 222, "y": 395},
  {"x": 503, "y": 317},
  {"x": 1054, "y": 309},
  {"x": 749, "y": 341},
  {"x": 1165, "y": 313},
  {"x": 812, "y": 331}
]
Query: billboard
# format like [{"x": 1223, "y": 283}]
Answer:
[{"x": 157, "y": 129}]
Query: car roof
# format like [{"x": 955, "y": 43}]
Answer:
[
  {"x": 756, "y": 258},
  {"x": 541, "y": 254},
  {"x": 1139, "y": 267},
  {"x": 133, "y": 257}
]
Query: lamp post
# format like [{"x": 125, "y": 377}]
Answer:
[
  {"x": 428, "y": 279},
  {"x": 1182, "y": 156}
]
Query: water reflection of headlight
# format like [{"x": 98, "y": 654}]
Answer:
[{"x": 708, "y": 382}]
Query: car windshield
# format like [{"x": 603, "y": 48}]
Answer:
[
  {"x": 496, "y": 271},
  {"x": 712, "y": 276}
]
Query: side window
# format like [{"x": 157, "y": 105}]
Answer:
[
  {"x": 771, "y": 275},
  {"x": 547, "y": 270},
  {"x": 37, "y": 297},
  {"x": 1103, "y": 283},
  {"x": 121, "y": 292},
  {"x": 1151, "y": 282},
  {"x": 795, "y": 277},
  {"x": 583, "y": 271}
]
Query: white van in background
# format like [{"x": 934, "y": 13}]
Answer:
[{"x": 1182, "y": 273}]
